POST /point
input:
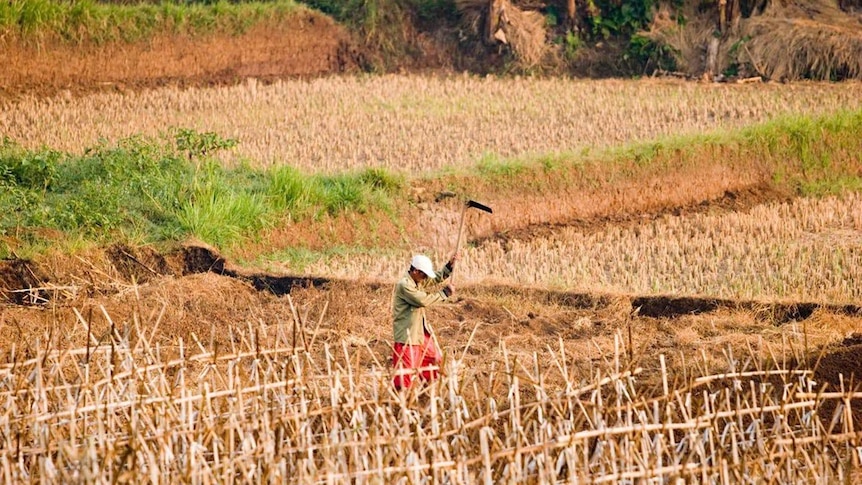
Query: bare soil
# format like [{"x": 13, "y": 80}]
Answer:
[{"x": 308, "y": 44}]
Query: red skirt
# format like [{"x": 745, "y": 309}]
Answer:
[{"x": 409, "y": 360}]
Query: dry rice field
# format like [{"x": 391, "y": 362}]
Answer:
[
  {"x": 207, "y": 372},
  {"x": 801, "y": 250},
  {"x": 416, "y": 123}
]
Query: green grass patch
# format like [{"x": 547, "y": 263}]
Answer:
[
  {"x": 156, "y": 190},
  {"x": 813, "y": 155},
  {"x": 78, "y": 21}
]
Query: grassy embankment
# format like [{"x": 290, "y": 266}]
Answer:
[
  {"x": 89, "y": 21},
  {"x": 160, "y": 190}
]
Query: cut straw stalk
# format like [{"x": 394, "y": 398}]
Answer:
[{"x": 268, "y": 411}]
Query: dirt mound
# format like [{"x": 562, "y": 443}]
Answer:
[
  {"x": 20, "y": 282},
  {"x": 842, "y": 365},
  {"x": 139, "y": 264},
  {"x": 100, "y": 272},
  {"x": 309, "y": 44}
]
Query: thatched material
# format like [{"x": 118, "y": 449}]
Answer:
[
  {"x": 811, "y": 39},
  {"x": 789, "y": 40},
  {"x": 502, "y": 22}
]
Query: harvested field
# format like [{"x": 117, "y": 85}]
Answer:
[
  {"x": 800, "y": 250},
  {"x": 698, "y": 324},
  {"x": 417, "y": 123},
  {"x": 204, "y": 377}
]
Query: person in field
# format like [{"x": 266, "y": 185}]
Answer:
[{"x": 414, "y": 352}]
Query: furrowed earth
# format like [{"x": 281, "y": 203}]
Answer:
[{"x": 193, "y": 293}]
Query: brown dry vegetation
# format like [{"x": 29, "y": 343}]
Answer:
[
  {"x": 794, "y": 41},
  {"x": 285, "y": 374},
  {"x": 417, "y": 123}
]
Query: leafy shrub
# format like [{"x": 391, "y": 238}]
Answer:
[
  {"x": 32, "y": 170},
  {"x": 649, "y": 55},
  {"x": 196, "y": 144},
  {"x": 611, "y": 18}
]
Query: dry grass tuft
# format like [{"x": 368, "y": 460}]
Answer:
[{"x": 804, "y": 40}]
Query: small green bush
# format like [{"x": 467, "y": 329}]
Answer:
[{"x": 30, "y": 170}]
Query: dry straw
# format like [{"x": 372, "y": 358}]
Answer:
[
  {"x": 814, "y": 39},
  {"x": 124, "y": 408},
  {"x": 415, "y": 123},
  {"x": 807, "y": 249},
  {"x": 504, "y": 23}
]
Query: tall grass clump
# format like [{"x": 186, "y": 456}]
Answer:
[
  {"x": 822, "y": 153},
  {"x": 223, "y": 205},
  {"x": 290, "y": 190},
  {"x": 170, "y": 189},
  {"x": 90, "y": 21}
]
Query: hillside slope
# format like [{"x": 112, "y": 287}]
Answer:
[{"x": 306, "y": 44}]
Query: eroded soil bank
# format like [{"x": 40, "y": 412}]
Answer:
[{"x": 308, "y": 44}]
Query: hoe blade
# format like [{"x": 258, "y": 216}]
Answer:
[{"x": 481, "y": 207}]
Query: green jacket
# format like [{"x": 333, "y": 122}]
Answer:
[{"x": 408, "y": 307}]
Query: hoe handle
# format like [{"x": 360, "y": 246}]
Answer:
[
  {"x": 469, "y": 204},
  {"x": 460, "y": 237}
]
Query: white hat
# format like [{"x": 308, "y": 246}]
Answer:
[{"x": 423, "y": 264}]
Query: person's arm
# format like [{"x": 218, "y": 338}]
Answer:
[
  {"x": 418, "y": 298},
  {"x": 446, "y": 270}
]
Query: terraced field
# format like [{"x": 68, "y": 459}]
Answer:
[{"x": 655, "y": 296}]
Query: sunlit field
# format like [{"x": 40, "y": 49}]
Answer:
[
  {"x": 223, "y": 377},
  {"x": 808, "y": 249},
  {"x": 125, "y": 408},
  {"x": 416, "y": 123}
]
